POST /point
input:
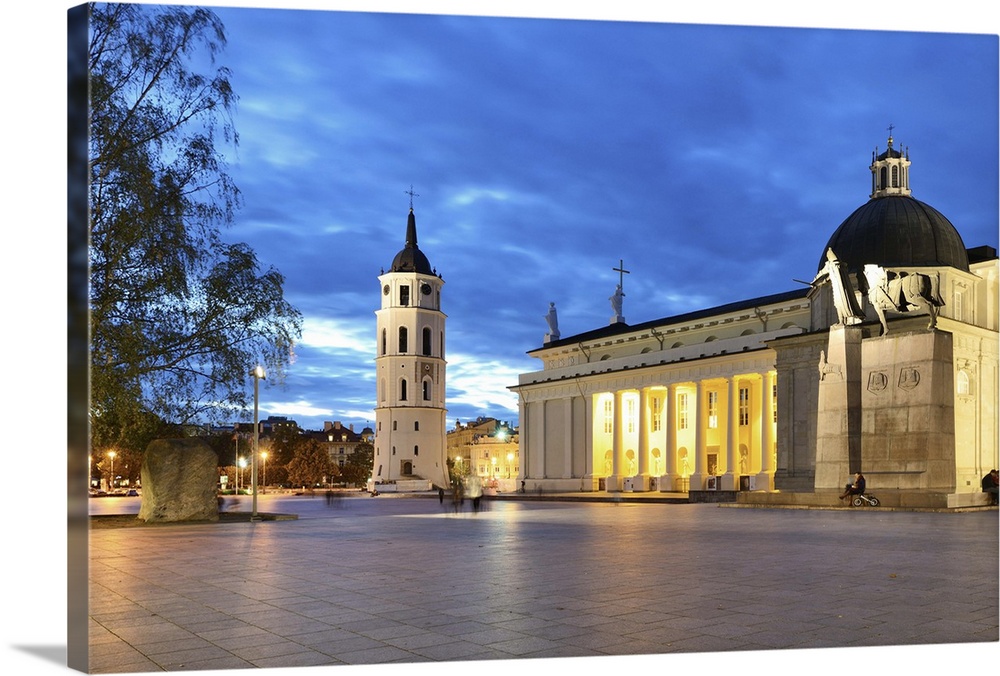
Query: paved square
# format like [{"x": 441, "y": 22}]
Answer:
[{"x": 403, "y": 580}]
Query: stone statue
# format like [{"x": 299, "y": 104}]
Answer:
[
  {"x": 616, "y": 304},
  {"x": 553, "y": 323},
  {"x": 848, "y": 309},
  {"x": 903, "y": 292}
]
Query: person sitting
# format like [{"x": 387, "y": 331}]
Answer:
[
  {"x": 857, "y": 488},
  {"x": 990, "y": 486}
]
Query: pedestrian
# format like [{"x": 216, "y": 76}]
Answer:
[
  {"x": 440, "y": 495},
  {"x": 329, "y": 497},
  {"x": 856, "y": 488},
  {"x": 990, "y": 486}
]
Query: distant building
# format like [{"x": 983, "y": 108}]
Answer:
[
  {"x": 340, "y": 441},
  {"x": 486, "y": 448}
]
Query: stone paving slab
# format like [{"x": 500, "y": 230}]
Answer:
[{"x": 410, "y": 581}]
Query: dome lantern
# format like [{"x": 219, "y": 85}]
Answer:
[{"x": 890, "y": 171}]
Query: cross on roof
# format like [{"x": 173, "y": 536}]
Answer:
[
  {"x": 891, "y": 127},
  {"x": 621, "y": 271}
]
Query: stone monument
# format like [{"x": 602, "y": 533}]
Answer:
[{"x": 179, "y": 481}]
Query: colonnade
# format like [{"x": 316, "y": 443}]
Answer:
[{"x": 713, "y": 433}]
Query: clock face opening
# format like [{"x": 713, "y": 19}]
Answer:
[
  {"x": 385, "y": 290},
  {"x": 425, "y": 289}
]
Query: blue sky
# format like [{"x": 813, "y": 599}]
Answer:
[{"x": 714, "y": 160}]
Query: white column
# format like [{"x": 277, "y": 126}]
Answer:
[
  {"x": 765, "y": 477},
  {"x": 670, "y": 445},
  {"x": 614, "y": 482},
  {"x": 698, "y": 476},
  {"x": 568, "y": 438},
  {"x": 641, "y": 482},
  {"x": 730, "y": 479}
]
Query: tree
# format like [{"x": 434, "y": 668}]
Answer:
[
  {"x": 358, "y": 468},
  {"x": 310, "y": 465},
  {"x": 178, "y": 316}
]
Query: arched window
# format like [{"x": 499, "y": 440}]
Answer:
[
  {"x": 416, "y": 450},
  {"x": 963, "y": 383},
  {"x": 427, "y": 390},
  {"x": 416, "y": 426},
  {"x": 402, "y": 339},
  {"x": 427, "y": 342},
  {"x": 385, "y": 341},
  {"x": 883, "y": 176},
  {"x": 895, "y": 176},
  {"x": 402, "y": 390}
]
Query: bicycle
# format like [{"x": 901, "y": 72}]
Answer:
[{"x": 863, "y": 499}]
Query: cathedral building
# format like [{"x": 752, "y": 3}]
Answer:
[
  {"x": 410, "y": 429},
  {"x": 887, "y": 363}
]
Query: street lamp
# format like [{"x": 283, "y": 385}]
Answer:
[
  {"x": 510, "y": 459},
  {"x": 111, "y": 454},
  {"x": 242, "y": 463},
  {"x": 258, "y": 373}
]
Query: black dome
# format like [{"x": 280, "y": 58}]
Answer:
[
  {"x": 897, "y": 231},
  {"x": 411, "y": 258}
]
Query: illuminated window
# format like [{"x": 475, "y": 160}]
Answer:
[
  {"x": 682, "y": 411},
  {"x": 713, "y": 409},
  {"x": 774, "y": 402},
  {"x": 744, "y": 406},
  {"x": 963, "y": 382},
  {"x": 631, "y": 415},
  {"x": 657, "y": 405},
  {"x": 609, "y": 416}
]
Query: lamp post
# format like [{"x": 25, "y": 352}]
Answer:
[
  {"x": 258, "y": 373},
  {"x": 510, "y": 459},
  {"x": 237, "y": 437},
  {"x": 111, "y": 485},
  {"x": 241, "y": 464}
]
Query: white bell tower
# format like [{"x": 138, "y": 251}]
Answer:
[{"x": 410, "y": 413}]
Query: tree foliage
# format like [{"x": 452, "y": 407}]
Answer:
[
  {"x": 310, "y": 464},
  {"x": 178, "y": 315},
  {"x": 358, "y": 468}
]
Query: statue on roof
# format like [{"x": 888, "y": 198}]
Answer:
[
  {"x": 616, "y": 305},
  {"x": 553, "y": 323}
]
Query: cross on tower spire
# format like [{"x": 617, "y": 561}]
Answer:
[{"x": 411, "y": 194}]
